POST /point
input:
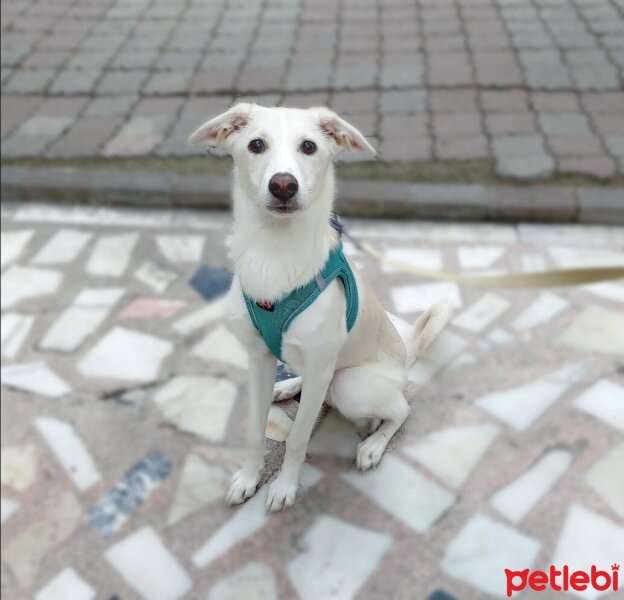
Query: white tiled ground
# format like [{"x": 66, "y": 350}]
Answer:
[{"x": 123, "y": 417}]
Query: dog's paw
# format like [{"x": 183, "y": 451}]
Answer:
[
  {"x": 369, "y": 452},
  {"x": 242, "y": 486},
  {"x": 282, "y": 494},
  {"x": 286, "y": 389}
]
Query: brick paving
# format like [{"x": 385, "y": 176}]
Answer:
[
  {"x": 124, "y": 411},
  {"x": 460, "y": 75}
]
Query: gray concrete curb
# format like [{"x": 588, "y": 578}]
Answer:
[{"x": 355, "y": 198}]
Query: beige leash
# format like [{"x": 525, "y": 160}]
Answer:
[{"x": 538, "y": 279}]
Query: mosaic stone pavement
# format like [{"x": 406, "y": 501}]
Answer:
[
  {"x": 123, "y": 414},
  {"x": 534, "y": 84}
]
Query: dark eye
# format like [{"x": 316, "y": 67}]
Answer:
[
  {"x": 308, "y": 147},
  {"x": 256, "y": 146}
]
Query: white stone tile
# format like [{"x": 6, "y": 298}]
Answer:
[
  {"x": 605, "y": 401},
  {"x": 15, "y": 329},
  {"x": 521, "y": 405},
  {"x": 213, "y": 311},
  {"x": 247, "y": 520},
  {"x": 255, "y": 580},
  {"x": 101, "y": 216},
  {"x": 8, "y": 507},
  {"x": 335, "y": 436},
  {"x": 57, "y": 517},
  {"x": 568, "y": 258},
  {"x": 111, "y": 254},
  {"x": 442, "y": 351},
  {"x": 199, "y": 405},
  {"x": 607, "y": 289},
  {"x": 516, "y": 499},
  {"x": 70, "y": 451},
  {"x": 336, "y": 559},
  {"x": 606, "y": 477},
  {"x": 495, "y": 339},
  {"x": 543, "y": 309},
  {"x": 84, "y": 315},
  {"x": 35, "y": 377},
  {"x": 278, "y": 424},
  {"x": 199, "y": 485},
  {"x": 221, "y": 346},
  {"x": 148, "y": 567},
  {"x": 404, "y": 492},
  {"x": 586, "y": 539},
  {"x": 531, "y": 262},
  {"x": 569, "y": 235},
  {"x": 155, "y": 276},
  {"x": 181, "y": 248},
  {"x": 63, "y": 247},
  {"x": 595, "y": 329},
  {"x": 482, "y": 551},
  {"x": 67, "y": 585},
  {"x": 22, "y": 283},
  {"x": 418, "y": 298},
  {"x": 482, "y": 313},
  {"x": 465, "y": 359},
  {"x": 127, "y": 355},
  {"x": 426, "y": 258},
  {"x": 12, "y": 244},
  {"x": 452, "y": 454},
  {"x": 18, "y": 466},
  {"x": 478, "y": 257}
]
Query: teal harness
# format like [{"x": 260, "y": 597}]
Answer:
[{"x": 273, "y": 320}]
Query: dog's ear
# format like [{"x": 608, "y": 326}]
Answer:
[
  {"x": 345, "y": 136},
  {"x": 214, "y": 132}
]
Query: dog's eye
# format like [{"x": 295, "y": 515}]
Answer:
[
  {"x": 256, "y": 146},
  {"x": 308, "y": 147}
]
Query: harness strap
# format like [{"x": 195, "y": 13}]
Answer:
[{"x": 273, "y": 322}]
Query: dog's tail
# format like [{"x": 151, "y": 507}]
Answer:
[{"x": 426, "y": 329}]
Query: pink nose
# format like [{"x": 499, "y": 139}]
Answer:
[{"x": 283, "y": 186}]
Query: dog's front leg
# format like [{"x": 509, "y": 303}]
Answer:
[
  {"x": 262, "y": 369},
  {"x": 283, "y": 490}
]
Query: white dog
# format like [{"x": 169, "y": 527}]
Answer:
[{"x": 283, "y": 197}]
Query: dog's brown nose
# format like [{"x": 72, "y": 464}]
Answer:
[{"x": 283, "y": 186}]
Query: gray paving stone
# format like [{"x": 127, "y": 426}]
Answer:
[
  {"x": 119, "y": 83},
  {"x": 75, "y": 81},
  {"x": 170, "y": 61},
  {"x": 132, "y": 59},
  {"x": 518, "y": 145},
  {"x": 563, "y": 123},
  {"x": 29, "y": 81},
  {"x": 168, "y": 82},
  {"x": 404, "y": 55},
  {"x": 90, "y": 59},
  {"x": 403, "y": 101},
  {"x": 110, "y": 106},
  {"x": 85, "y": 137},
  {"x": 34, "y": 135},
  {"x": 537, "y": 166}
]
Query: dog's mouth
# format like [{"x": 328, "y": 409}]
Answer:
[{"x": 283, "y": 208}]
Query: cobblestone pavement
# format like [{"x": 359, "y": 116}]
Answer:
[
  {"x": 534, "y": 84},
  {"x": 123, "y": 412}
]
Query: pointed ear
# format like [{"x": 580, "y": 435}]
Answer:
[
  {"x": 342, "y": 133},
  {"x": 214, "y": 132}
]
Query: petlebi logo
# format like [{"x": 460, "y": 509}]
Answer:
[{"x": 563, "y": 579}]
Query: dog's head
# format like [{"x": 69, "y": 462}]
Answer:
[{"x": 282, "y": 156}]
